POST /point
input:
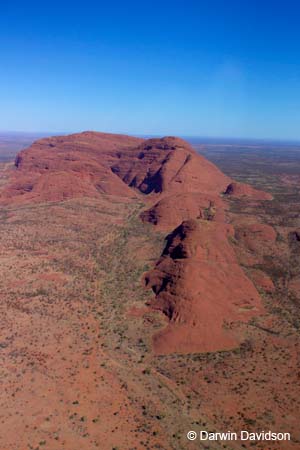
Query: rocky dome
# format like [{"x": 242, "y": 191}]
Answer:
[
  {"x": 236, "y": 189},
  {"x": 197, "y": 282}
]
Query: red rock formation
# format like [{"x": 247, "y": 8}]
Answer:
[
  {"x": 236, "y": 189},
  {"x": 59, "y": 168},
  {"x": 201, "y": 289},
  {"x": 169, "y": 165},
  {"x": 171, "y": 210},
  {"x": 256, "y": 237},
  {"x": 198, "y": 283}
]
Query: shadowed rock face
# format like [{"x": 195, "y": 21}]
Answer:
[
  {"x": 83, "y": 164},
  {"x": 168, "y": 165},
  {"x": 197, "y": 282},
  {"x": 294, "y": 237}
]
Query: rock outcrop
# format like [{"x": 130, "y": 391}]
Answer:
[
  {"x": 197, "y": 283},
  {"x": 60, "y": 168},
  {"x": 238, "y": 190},
  {"x": 201, "y": 288}
]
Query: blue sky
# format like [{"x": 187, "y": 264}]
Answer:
[{"x": 199, "y": 68}]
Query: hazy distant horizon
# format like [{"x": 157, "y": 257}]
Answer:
[{"x": 194, "y": 139}]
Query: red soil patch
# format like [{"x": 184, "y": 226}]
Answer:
[
  {"x": 136, "y": 311},
  {"x": 57, "y": 390},
  {"x": 56, "y": 277}
]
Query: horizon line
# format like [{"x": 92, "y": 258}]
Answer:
[{"x": 272, "y": 140}]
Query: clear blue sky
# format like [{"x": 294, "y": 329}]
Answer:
[{"x": 208, "y": 68}]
